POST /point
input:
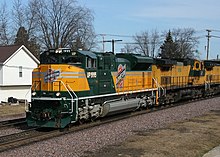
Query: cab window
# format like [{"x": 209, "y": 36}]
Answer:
[
  {"x": 90, "y": 62},
  {"x": 197, "y": 65}
]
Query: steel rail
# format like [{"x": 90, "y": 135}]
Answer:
[{"x": 12, "y": 123}]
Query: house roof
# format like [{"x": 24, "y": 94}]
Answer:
[{"x": 7, "y": 51}]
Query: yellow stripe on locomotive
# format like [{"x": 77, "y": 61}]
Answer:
[{"x": 51, "y": 77}]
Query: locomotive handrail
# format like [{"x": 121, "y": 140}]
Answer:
[
  {"x": 35, "y": 82},
  {"x": 66, "y": 87},
  {"x": 207, "y": 85},
  {"x": 77, "y": 99},
  {"x": 159, "y": 86},
  {"x": 69, "y": 94}
]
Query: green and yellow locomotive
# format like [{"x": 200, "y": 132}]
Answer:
[{"x": 77, "y": 86}]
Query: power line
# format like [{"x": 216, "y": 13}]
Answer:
[
  {"x": 113, "y": 43},
  {"x": 129, "y": 36},
  {"x": 116, "y": 35},
  {"x": 214, "y": 36},
  {"x": 215, "y": 30}
]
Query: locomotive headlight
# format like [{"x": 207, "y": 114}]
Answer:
[
  {"x": 58, "y": 94},
  {"x": 34, "y": 94},
  {"x": 91, "y": 107}
]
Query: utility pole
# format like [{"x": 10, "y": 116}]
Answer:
[
  {"x": 103, "y": 44},
  {"x": 113, "y": 43},
  {"x": 208, "y": 37}
]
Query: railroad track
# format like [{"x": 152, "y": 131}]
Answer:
[
  {"x": 12, "y": 123},
  {"x": 34, "y": 135},
  {"x": 14, "y": 140}
]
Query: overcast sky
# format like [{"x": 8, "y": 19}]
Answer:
[{"x": 128, "y": 17}]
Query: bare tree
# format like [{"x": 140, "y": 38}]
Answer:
[
  {"x": 4, "y": 25},
  {"x": 24, "y": 17},
  {"x": 84, "y": 38},
  {"x": 155, "y": 42},
  {"x": 128, "y": 48},
  {"x": 18, "y": 14},
  {"x": 143, "y": 40},
  {"x": 147, "y": 43},
  {"x": 61, "y": 23}
]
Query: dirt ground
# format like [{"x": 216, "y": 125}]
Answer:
[
  {"x": 8, "y": 110},
  {"x": 190, "y": 138}
]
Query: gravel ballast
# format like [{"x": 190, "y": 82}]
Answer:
[
  {"x": 93, "y": 139},
  {"x": 9, "y": 131}
]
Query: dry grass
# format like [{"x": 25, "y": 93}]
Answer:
[
  {"x": 191, "y": 138},
  {"x": 7, "y": 110}
]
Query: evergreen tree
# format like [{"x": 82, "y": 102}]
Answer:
[
  {"x": 34, "y": 47},
  {"x": 22, "y": 38},
  {"x": 169, "y": 47}
]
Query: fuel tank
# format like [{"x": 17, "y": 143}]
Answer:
[{"x": 118, "y": 106}]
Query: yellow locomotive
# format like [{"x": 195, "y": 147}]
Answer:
[{"x": 77, "y": 86}]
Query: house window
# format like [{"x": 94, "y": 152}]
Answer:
[{"x": 20, "y": 71}]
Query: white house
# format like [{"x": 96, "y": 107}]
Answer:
[{"x": 16, "y": 65}]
